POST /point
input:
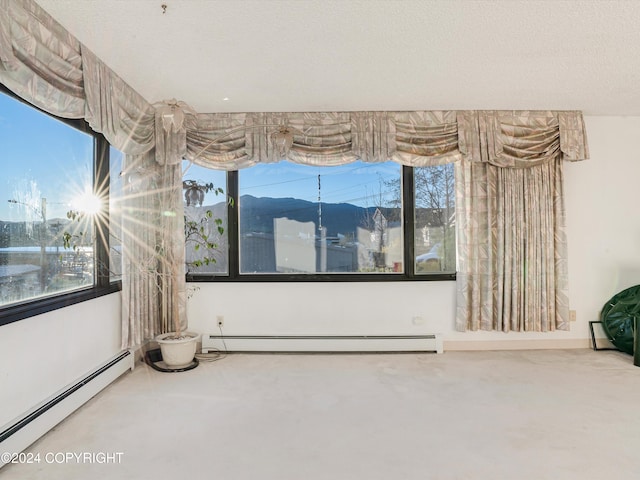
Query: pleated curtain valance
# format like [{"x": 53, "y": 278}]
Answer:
[
  {"x": 113, "y": 108},
  {"x": 46, "y": 65},
  {"x": 419, "y": 138},
  {"x": 40, "y": 60},
  {"x": 43, "y": 63},
  {"x": 529, "y": 138}
]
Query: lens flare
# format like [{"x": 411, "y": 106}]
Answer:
[{"x": 88, "y": 203}]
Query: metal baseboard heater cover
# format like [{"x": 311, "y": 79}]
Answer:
[
  {"x": 323, "y": 343},
  {"x": 22, "y": 432}
]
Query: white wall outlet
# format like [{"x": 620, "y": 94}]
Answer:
[
  {"x": 572, "y": 315},
  {"x": 220, "y": 320},
  {"x": 417, "y": 320}
]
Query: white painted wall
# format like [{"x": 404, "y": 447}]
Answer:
[
  {"x": 603, "y": 227},
  {"x": 39, "y": 356},
  {"x": 603, "y": 220}
]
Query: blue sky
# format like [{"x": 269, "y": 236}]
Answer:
[
  {"x": 42, "y": 157},
  {"x": 357, "y": 183}
]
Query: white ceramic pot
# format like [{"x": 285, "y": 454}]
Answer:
[{"x": 178, "y": 353}]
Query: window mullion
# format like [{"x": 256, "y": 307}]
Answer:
[
  {"x": 233, "y": 237},
  {"x": 101, "y": 227},
  {"x": 408, "y": 212}
]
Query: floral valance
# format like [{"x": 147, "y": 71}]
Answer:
[
  {"x": 418, "y": 138},
  {"x": 528, "y": 138},
  {"x": 47, "y": 66},
  {"x": 239, "y": 140},
  {"x": 123, "y": 116},
  {"x": 40, "y": 60}
]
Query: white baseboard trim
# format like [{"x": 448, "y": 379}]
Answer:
[
  {"x": 550, "y": 344},
  {"x": 322, "y": 343},
  {"x": 29, "y": 427}
]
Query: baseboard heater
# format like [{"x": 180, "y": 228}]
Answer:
[
  {"x": 22, "y": 432},
  {"x": 323, "y": 343}
]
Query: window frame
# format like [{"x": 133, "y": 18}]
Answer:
[
  {"x": 408, "y": 222},
  {"x": 101, "y": 284}
]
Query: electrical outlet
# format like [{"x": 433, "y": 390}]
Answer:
[
  {"x": 220, "y": 320},
  {"x": 417, "y": 320},
  {"x": 572, "y": 315}
]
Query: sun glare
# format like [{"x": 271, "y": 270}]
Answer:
[{"x": 88, "y": 203}]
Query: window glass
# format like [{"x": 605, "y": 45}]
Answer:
[
  {"x": 435, "y": 243},
  {"x": 47, "y": 169},
  {"x": 205, "y": 206},
  {"x": 298, "y": 219}
]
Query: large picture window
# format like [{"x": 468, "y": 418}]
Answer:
[
  {"x": 359, "y": 221},
  {"x": 50, "y": 167},
  {"x": 299, "y": 219}
]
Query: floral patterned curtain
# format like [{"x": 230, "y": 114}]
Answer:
[
  {"x": 40, "y": 60},
  {"x": 231, "y": 141},
  {"x": 512, "y": 250}
]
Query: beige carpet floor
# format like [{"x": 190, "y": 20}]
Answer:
[{"x": 556, "y": 414}]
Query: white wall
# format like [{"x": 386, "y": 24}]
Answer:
[
  {"x": 603, "y": 227},
  {"x": 603, "y": 220},
  {"x": 41, "y": 355}
]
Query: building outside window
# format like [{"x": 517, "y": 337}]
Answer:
[
  {"x": 309, "y": 220},
  {"x": 434, "y": 219}
]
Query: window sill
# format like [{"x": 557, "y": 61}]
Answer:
[
  {"x": 346, "y": 277},
  {"x": 31, "y": 308}
]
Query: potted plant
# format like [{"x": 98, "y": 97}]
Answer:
[{"x": 178, "y": 347}]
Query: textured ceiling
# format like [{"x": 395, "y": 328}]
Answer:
[{"x": 323, "y": 55}]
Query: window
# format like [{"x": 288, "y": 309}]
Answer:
[
  {"x": 434, "y": 219},
  {"x": 298, "y": 222},
  {"x": 202, "y": 195},
  {"x": 302, "y": 220},
  {"x": 48, "y": 170}
]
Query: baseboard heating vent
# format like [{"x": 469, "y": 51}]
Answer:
[
  {"x": 324, "y": 343},
  {"x": 22, "y": 432}
]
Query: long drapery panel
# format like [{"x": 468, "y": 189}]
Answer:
[
  {"x": 512, "y": 253},
  {"x": 153, "y": 284},
  {"x": 140, "y": 291},
  {"x": 512, "y": 250}
]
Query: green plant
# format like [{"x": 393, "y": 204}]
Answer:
[
  {"x": 196, "y": 231},
  {"x": 196, "y": 234},
  {"x": 157, "y": 264}
]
